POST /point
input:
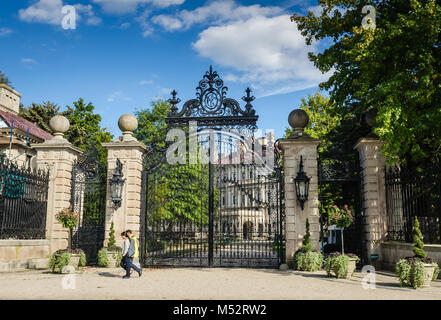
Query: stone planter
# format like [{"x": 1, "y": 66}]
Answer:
[
  {"x": 112, "y": 259},
  {"x": 428, "y": 274},
  {"x": 74, "y": 260}
]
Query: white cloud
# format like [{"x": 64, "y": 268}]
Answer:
[
  {"x": 49, "y": 11},
  {"x": 268, "y": 53},
  {"x": 89, "y": 15},
  {"x": 120, "y": 7},
  {"x": 4, "y": 32},
  {"x": 214, "y": 13},
  {"x": 165, "y": 91},
  {"x": 118, "y": 95},
  {"x": 28, "y": 61},
  {"x": 45, "y": 11},
  {"x": 147, "y": 28},
  {"x": 125, "y": 25},
  {"x": 145, "y": 82},
  {"x": 169, "y": 23}
]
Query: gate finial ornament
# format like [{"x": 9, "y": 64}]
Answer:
[
  {"x": 211, "y": 108},
  {"x": 298, "y": 119}
]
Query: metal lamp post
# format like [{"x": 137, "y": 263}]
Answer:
[
  {"x": 117, "y": 184},
  {"x": 302, "y": 185}
]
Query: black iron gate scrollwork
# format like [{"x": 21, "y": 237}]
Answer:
[
  {"x": 226, "y": 211},
  {"x": 340, "y": 184},
  {"x": 88, "y": 200}
]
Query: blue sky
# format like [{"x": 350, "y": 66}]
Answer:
[{"x": 125, "y": 53}]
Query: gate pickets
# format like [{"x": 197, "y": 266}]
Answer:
[
  {"x": 226, "y": 212},
  {"x": 340, "y": 184},
  {"x": 88, "y": 200}
]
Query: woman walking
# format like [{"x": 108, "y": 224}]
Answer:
[{"x": 125, "y": 249}]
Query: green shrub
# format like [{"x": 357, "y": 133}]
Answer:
[
  {"x": 418, "y": 248},
  {"x": 112, "y": 241},
  {"x": 410, "y": 272},
  {"x": 338, "y": 263},
  {"x": 103, "y": 259},
  {"x": 417, "y": 275},
  {"x": 307, "y": 238},
  {"x": 313, "y": 261},
  {"x": 307, "y": 261},
  {"x": 402, "y": 269},
  {"x": 297, "y": 260},
  {"x": 83, "y": 260},
  {"x": 58, "y": 261},
  {"x": 436, "y": 272}
]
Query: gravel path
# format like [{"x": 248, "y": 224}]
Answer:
[{"x": 196, "y": 283}]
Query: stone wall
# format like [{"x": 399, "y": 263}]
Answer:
[
  {"x": 392, "y": 251},
  {"x": 24, "y": 254}
]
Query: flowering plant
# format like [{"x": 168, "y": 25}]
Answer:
[
  {"x": 67, "y": 218},
  {"x": 341, "y": 217}
]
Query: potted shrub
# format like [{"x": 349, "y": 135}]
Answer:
[
  {"x": 340, "y": 264},
  {"x": 65, "y": 257},
  {"x": 69, "y": 220},
  {"x": 417, "y": 271},
  {"x": 75, "y": 258},
  {"x": 305, "y": 259},
  {"x": 111, "y": 256}
]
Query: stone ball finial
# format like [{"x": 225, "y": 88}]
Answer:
[
  {"x": 59, "y": 125},
  {"x": 127, "y": 123},
  {"x": 298, "y": 119},
  {"x": 371, "y": 118}
]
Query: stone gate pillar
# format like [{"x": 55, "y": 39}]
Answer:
[
  {"x": 300, "y": 144},
  {"x": 372, "y": 163},
  {"x": 57, "y": 155},
  {"x": 130, "y": 152}
]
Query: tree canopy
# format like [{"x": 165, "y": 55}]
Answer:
[
  {"x": 4, "y": 79},
  {"x": 40, "y": 114},
  {"x": 85, "y": 125},
  {"x": 178, "y": 192},
  {"x": 394, "y": 68}
]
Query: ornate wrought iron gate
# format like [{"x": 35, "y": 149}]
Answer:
[
  {"x": 225, "y": 211},
  {"x": 340, "y": 184},
  {"x": 89, "y": 202}
]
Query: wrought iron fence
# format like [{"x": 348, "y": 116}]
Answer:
[
  {"x": 23, "y": 201},
  {"x": 410, "y": 195}
]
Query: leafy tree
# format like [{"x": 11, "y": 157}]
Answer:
[
  {"x": 40, "y": 114},
  {"x": 395, "y": 68},
  {"x": 4, "y": 79},
  {"x": 323, "y": 119},
  {"x": 178, "y": 192},
  {"x": 85, "y": 126},
  {"x": 338, "y": 133},
  {"x": 152, "y": 128},
  {"x": 85, "y": 130}
]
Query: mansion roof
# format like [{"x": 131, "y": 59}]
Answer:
[{"x": 23, "y": 125}]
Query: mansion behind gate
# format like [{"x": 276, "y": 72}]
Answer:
[{"x": 248, "y": 199}]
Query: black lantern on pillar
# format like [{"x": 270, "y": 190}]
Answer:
[
  {"x": 117, "y": 184},
  {"x": 302, "y": 185}
]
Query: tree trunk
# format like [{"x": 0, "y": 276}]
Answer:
[
  {"x": 69, "y": 240},
  {"x": 342, "y": 242}
]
